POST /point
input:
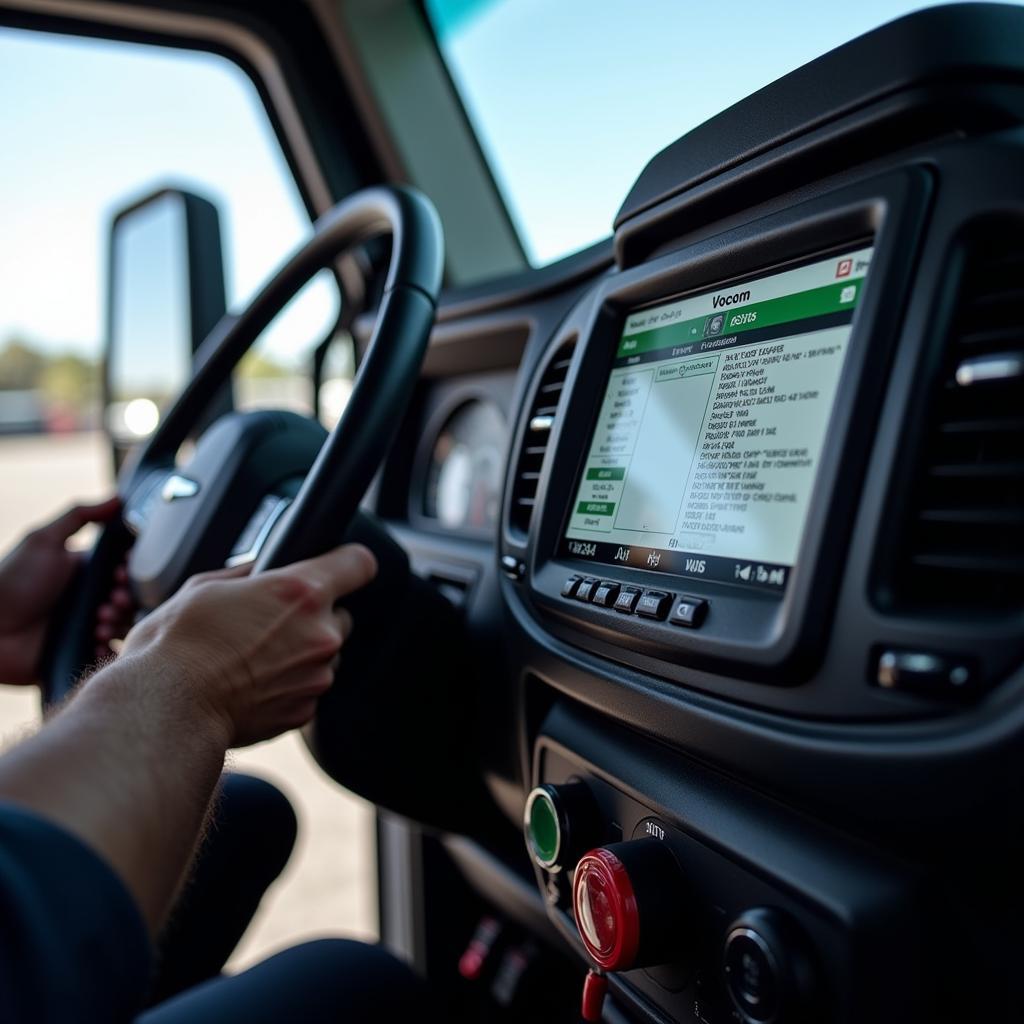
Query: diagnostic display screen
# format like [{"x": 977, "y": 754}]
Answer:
[{"x": 712, "y": 427}]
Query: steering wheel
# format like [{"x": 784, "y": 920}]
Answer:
[{"x": 271, "y": 487}]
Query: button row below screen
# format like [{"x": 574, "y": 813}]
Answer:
[{"x": 649, "y": 604}]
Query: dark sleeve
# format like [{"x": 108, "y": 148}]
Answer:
[{"x": 73, "y": 946}]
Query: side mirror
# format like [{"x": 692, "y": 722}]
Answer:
[{"x": 165, "y": 294}]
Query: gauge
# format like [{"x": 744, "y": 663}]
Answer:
[{"x": 467, "y": 467}]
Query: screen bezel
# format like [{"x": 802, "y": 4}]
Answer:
[
  {"x": 854, "y": 244},
  {"x": 751, "y": 634}
]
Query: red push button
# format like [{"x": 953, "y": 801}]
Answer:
[
  {"x": 606, "y": 910},
  {"x": 632, "y": 906}
]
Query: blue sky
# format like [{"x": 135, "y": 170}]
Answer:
[{"x": 571, "y": 98}]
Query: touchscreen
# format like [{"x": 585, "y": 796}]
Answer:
[{"x": 713, "y": 424}]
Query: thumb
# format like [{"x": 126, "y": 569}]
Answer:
[{"x": 68, "y": 524}]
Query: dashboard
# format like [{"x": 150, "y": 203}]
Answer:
[{"x": 733, "y": 508}]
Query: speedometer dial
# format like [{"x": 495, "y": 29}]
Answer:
[{"x": 466, "y": 468}]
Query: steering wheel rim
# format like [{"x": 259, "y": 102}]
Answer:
[{"x": 348, "y": 460}]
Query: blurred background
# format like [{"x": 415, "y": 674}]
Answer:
[{"x": 89, "y": 127}]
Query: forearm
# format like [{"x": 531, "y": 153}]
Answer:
[{"x": 129, "y": 766}]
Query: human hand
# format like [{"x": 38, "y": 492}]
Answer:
[
  {"x": 114, "y": 617},
  {"x": 32, "y": 578},
  {"x": 257, "y": 652}
]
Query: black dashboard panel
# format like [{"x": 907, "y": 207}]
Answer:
[
  {"x": 850, "y": 903},
  {"x": 850, "y": 750},
  {"x": 946, "y": 761},
  {"x": 750, "y": 634}
]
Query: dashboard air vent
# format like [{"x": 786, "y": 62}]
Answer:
[
  {"x": 541, "y": 418},
  {"x": 965, "y": 542}
]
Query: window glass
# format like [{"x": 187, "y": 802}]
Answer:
[
  {"x": 97, "y": 124},
  {"x": 570, "y": 100}
]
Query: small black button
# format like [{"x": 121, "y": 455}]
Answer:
[
  {"x": 627, "y": 599},
  {"x": 936, "y": 675},
  {"x": 653, "y": 604},
  {"x": 768, "y": 970},
  {"x": 570, "y": 585},
  {"x": 688, "y": 611},
  {"x": 751, "y": 975},
  {"x": 512, "y": 567},
  {"x": 606, "y": 593},
  {"x": 585, "y": 591}
]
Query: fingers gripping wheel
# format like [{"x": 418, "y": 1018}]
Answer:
[{"x": 345, "y": 465}]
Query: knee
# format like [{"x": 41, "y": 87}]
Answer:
[
  {"x": 258, "y": 814},
  {"x": 360, "y": 976},
  {"x": 325, "y": 980},
  {"x": 350, "y": 954}
]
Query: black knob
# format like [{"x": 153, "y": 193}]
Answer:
[
  {"x": 561, "y": 823},
  {"x": 631, "y": 905},
  {"x": 768, "y": 971}
]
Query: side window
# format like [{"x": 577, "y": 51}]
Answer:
[
  {"x": 98, "y": 124},
  {"x": 88, "y": 126}
]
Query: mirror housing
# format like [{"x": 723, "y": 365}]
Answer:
[{"x": 165, "y": 293}]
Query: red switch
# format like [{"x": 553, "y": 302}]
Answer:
[
  {"x": 595, "y": 988},
  {"x": 630, "y": 904},
  {"x": 606, "y": 912},
  {"x": 474, "y": 959}
]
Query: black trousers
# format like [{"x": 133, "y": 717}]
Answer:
[
  {"x": 248, "y": 845},
  {"x": 330, "y": 981},
  {"x": 249, "y": 842}
]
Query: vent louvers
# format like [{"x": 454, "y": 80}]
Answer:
[
  {"x": 965, "y": 540},
  {"x": 539, "y": 423}
]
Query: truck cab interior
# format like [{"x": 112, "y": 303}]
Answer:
[{"x": 691, "y": 686}]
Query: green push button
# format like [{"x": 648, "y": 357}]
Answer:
[{"x": 543, "y": 832}]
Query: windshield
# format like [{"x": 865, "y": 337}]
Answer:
[{"x": 570, "y": 100}]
